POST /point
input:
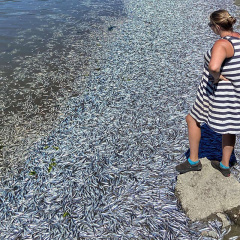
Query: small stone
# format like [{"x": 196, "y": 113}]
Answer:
[
  {"x": 224, "y": 219},
  {"x": 209, "y": 234}
]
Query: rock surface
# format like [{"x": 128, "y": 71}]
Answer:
[{"x": 206, "y": 193}]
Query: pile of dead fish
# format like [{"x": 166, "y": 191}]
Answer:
[{"x": 107, "y": 171}]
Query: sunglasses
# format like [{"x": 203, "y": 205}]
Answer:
[{"x": 210, "y": 24}]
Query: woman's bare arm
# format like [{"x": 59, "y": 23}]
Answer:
[{"x": 221, "y": 50}]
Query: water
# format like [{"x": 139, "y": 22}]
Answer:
[
  {"x": 44, "y": 47},
  {"x": 39, "y": 21}
]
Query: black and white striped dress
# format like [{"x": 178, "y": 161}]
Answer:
[{"x": 218, "y": 105}]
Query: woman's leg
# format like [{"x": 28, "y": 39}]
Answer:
[
  {"x": 194, "y": 136},
  {"x": 228, "y": 143}
]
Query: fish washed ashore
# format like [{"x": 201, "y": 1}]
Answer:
[{"x": 107, "y": 171}]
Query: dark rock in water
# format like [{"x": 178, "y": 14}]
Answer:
[
  {"x": 111, "y": 28},
  {"x": 234, "y": 215},
  {"x": 207, "y": 193}
]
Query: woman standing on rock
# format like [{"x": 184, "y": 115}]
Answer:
[{"x": 218, "y": 97}]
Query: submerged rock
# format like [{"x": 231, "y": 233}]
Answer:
[
  {"x": 205, "y": 194},
  {"x": 234, "y": 215}
]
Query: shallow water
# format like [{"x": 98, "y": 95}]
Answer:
[{"x": 45, "y": 46}]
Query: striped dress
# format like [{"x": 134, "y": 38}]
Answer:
[{"x": 218, "y": 105}]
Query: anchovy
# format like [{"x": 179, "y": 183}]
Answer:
[{"x": 106, "y": 169}]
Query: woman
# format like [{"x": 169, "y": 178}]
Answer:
[{"x": 218, "y": 96}]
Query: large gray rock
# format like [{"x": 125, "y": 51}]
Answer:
[{"x": 206, "y": 193}]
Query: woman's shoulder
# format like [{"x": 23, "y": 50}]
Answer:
[
  {"x": 236, "y": 34},
  {"x": 222, "y": 42},
  {"x": 227, "y": 40},
  {"x": 224, "y": 45},
  {"x": 233, "y": 35}
]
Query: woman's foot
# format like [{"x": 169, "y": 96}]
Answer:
[
  {"x": 187, "y": 166},
  {"x": 225, "y": 171}
]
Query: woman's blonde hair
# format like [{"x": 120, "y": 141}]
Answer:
[{"x": 223, "y": 19}]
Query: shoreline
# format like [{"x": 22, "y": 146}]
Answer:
[{"x": 108, "y": 168}]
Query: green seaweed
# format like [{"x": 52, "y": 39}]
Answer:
[
  {"x": 52, "y": 164},
  {"x": 32, "y": 173},
  {"x": 50, "y": 168},
  {"x": 66, "y": 214}
]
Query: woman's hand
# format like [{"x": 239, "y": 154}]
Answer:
[{"x": 221, "y": 78}]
